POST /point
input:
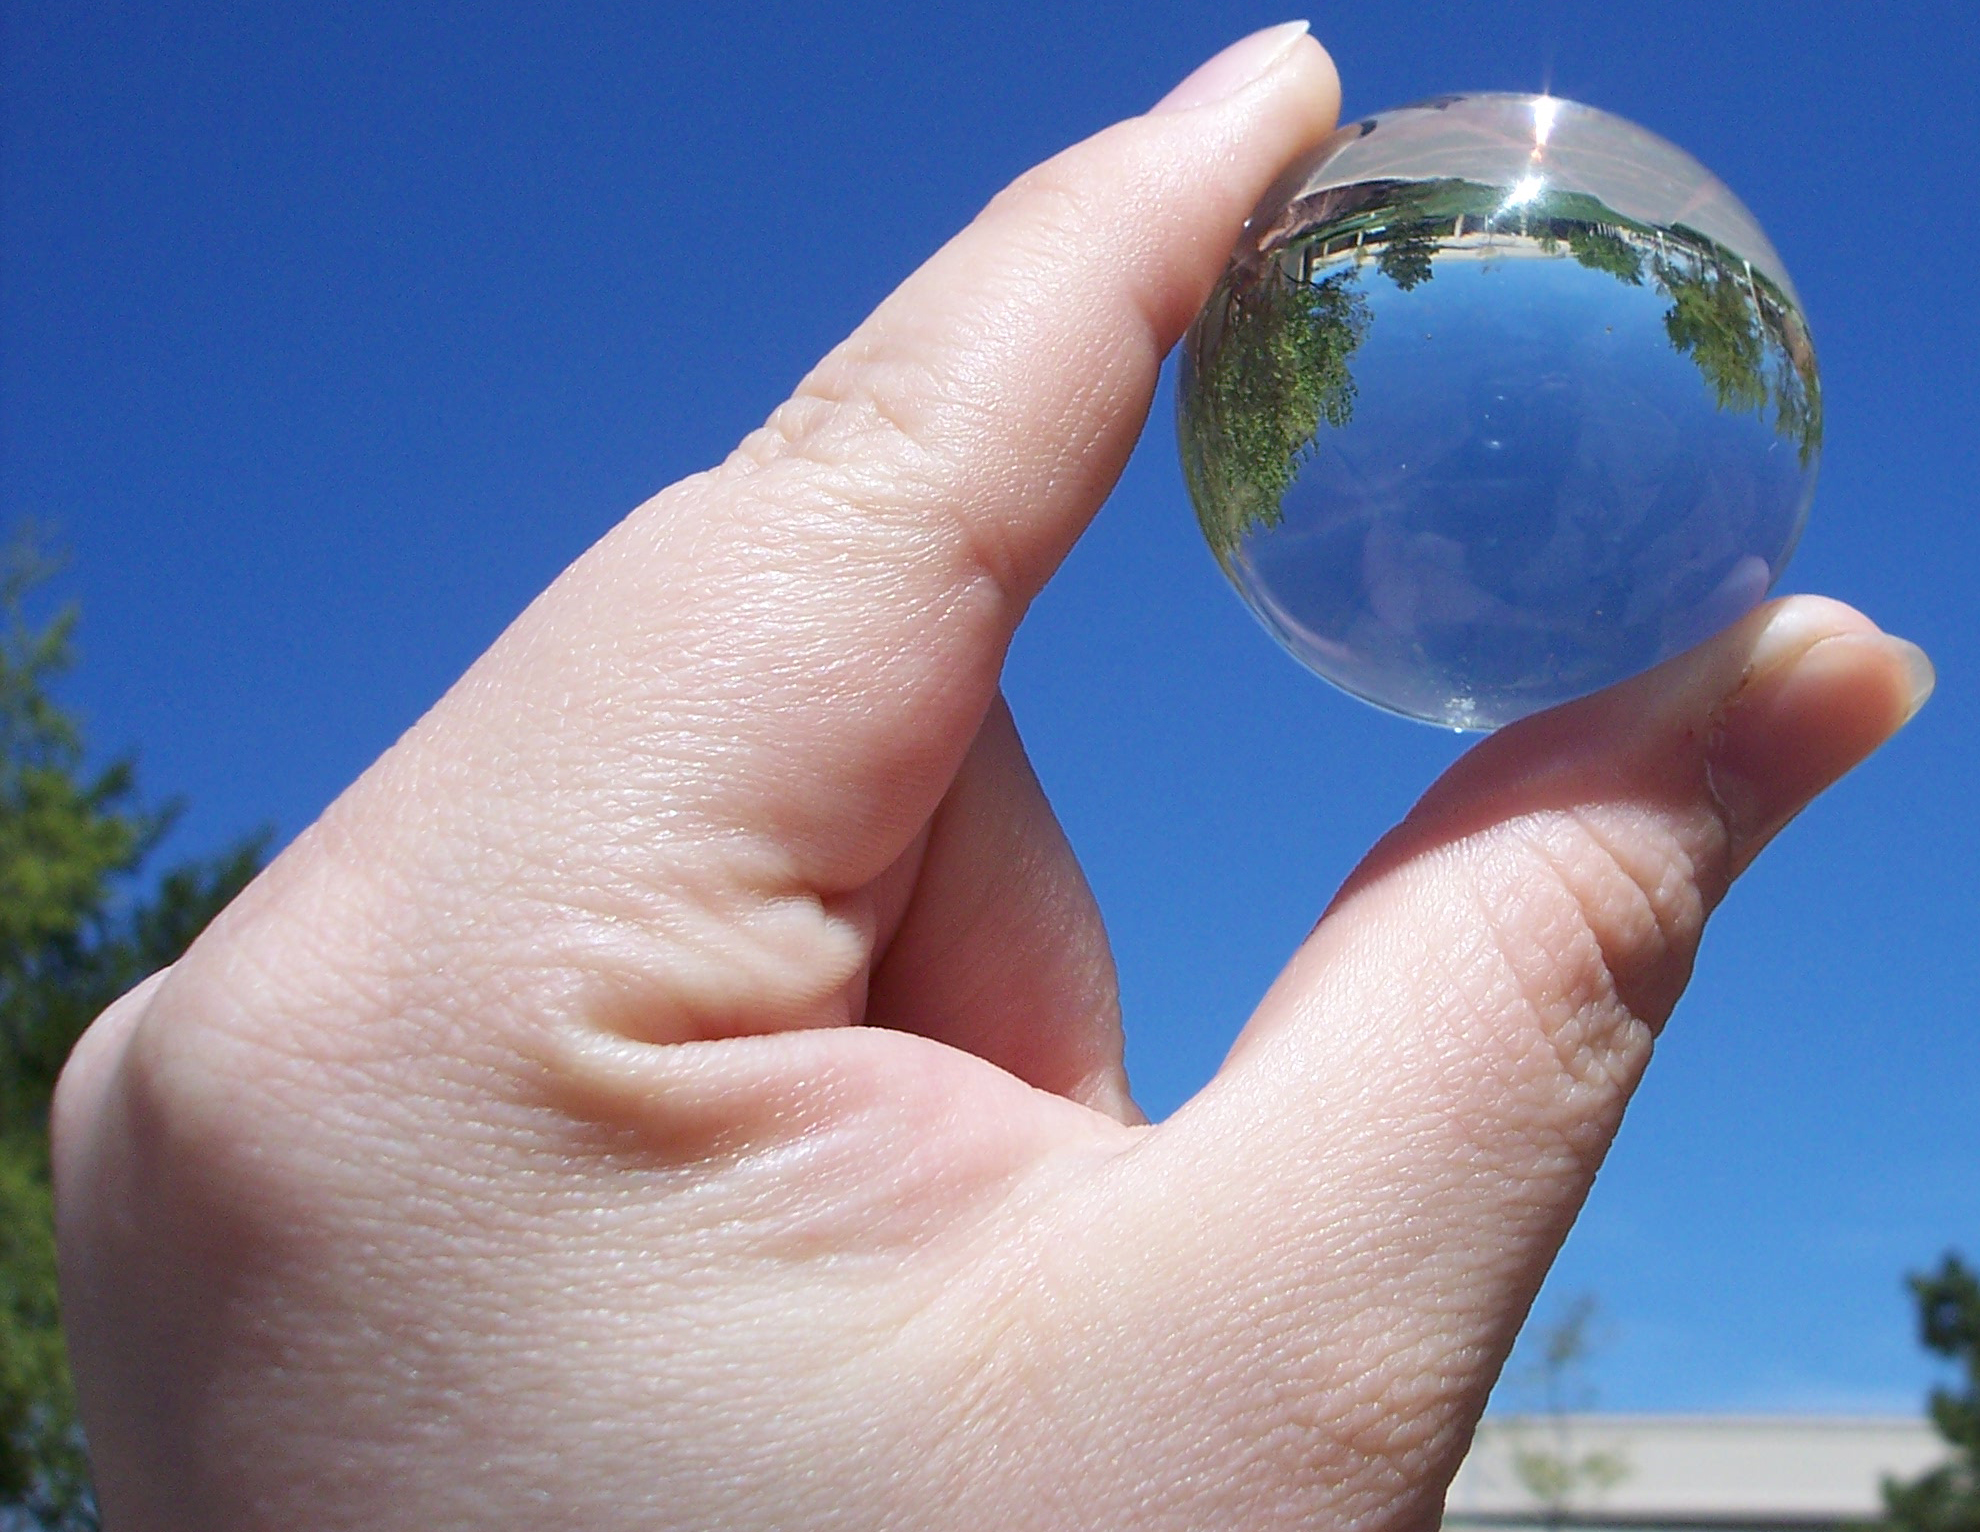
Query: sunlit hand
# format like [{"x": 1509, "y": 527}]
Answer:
[{"x": 679, "y": 1086}]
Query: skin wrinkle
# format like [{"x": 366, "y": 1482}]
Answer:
[
  {"x": 1670, "y": 890},
  {"x": 844, "y": 1018},
  {"x": 787, "y": 647},
  {"x": 701, "y": 913},
  {"x": 879, "y": 391},
  {"x": 1196, "y": 1386},
  {"x": 915, "y": 664},
  {"x": 1342, "y": 1411},
  {"x": 960, "y": 549},
  {"x": 997, "y": 1381},
  {"x": 1602, "y": 910},
  {"x": 1487, "y": 1149},
  {"x": 831, "y": 549},
  {"x": 1487, "y": 986},
  {"x": 781, "y": 975},
  {"x": 1567, "y": 991},
  {"x": 528, "y": 859},
  {"x": 1574, "y": 1009},
  {"x": 1037, "y": 1335},
  {"x": 769, "y": 633}
]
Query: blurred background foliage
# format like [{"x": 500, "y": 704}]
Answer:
[
  {"x": 1948, "y": 1498},
  {"x": 82, "y": 919}
]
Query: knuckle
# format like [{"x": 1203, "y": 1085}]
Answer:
[
  {"x": 858, "y": 407},
  {"x": 1593, "y": 921},
  {"x": 876, "y": 457},
  {"x": 882, "y": 450},
  {"x": 1053, "y": 198},
  {"x": 218, "y": 1112}
]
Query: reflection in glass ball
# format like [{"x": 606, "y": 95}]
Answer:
[{"x": 1500, "y": 400}]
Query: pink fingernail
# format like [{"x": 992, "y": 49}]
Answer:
[
  {"x": 1247, "y": 59},
  {"x": 1810, "y": 709}
]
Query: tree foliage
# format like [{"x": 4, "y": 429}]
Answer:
[
  {"x": 1276, "y": 375},
  {"x": 1406, "y": 257},
  {"x": 1601, "y": 249},
  {"x": 1748, "y": 344},
  {"x": 1553, "y": 1470},
  {"x": 77, "y": 929},
  {"x": 1713, "y": 323},
  {"x": 1947, "y": 1499}
]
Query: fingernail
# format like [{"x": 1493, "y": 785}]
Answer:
[
  {"x": 1247, "y": 59},
  {"x": 1921, "y": 677},
  {"x": 1814, "y": 702}
]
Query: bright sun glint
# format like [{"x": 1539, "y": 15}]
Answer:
[
  {"x": 1524, "y": 191},
  {"x": 1545, "y": 110}
]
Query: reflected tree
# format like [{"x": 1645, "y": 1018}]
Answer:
[
  {"x": 1275, "y": 374},
  {"x": 1748, "y": 343},
  {"x": 1798, "y": 407},
  {"x": 1603, "y": 250},
  {"x": 1406, "y": 257},
  {"x": 1713, "y": 322}
]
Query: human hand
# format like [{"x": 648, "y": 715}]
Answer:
[{"x": 507, "y": 1155}]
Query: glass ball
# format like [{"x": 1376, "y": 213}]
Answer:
[{"x": 1501, "y": 399}]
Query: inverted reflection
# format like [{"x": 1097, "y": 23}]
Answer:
[{"x": 1474, "y": 443}]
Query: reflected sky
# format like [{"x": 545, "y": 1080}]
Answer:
[{"x": 1535, "y": 493}]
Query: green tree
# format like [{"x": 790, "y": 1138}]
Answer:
[
  {"x": 1797, "y": 380},
  {"x": 1748, "y": 344},
  {"x": 1407, "y": 257},
  {"x": 1600, "y": 250},
  {"x": 1712, "y": 321},
  {"x": 76, "y": 930},
  {"x": 1553, "y": 1471},
  {"x": 1273, "y": 374},
  {"x": 1947, "y": 1499}
]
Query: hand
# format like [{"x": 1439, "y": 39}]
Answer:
[{"x": 680, "y": 1084}]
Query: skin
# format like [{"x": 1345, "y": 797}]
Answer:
[{"x": 511, "y": 1153}]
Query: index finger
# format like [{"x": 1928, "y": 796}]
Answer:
[
  {"x": 835, "y": 600},
  {"x": 678, "y": 773}
]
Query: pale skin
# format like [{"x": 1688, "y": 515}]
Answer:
[{"x": 679, "y": 1085}]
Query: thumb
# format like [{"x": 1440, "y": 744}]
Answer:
[{"x": 1389, "y": 1160}]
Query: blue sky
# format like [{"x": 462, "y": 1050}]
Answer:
[{"x": 329, "y": 334}]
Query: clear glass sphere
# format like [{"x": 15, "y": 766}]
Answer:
[{"x": 1501, "y": 399}]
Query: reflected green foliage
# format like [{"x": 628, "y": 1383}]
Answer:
[
  {"x": 1600, "y": 250},
  {"x": 1711, "y": 321},
  {"x": 1747, "y": 341},
  {"x": 75, "y": 932},
  {"x": 1405, "y": 259},
  {"x": 1947, "y": 1499},
  {"x": 1277, "y": 372}
]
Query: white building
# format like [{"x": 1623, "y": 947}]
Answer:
[{"x": 1684, "y": 1473}]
